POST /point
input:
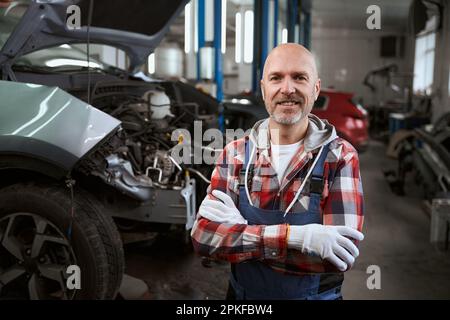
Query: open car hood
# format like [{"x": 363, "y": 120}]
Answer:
[{"x": 135, "y": 26}]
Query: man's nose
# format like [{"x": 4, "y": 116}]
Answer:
[{"x": 287, "y": 87}]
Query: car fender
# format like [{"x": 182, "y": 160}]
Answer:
[{"x": 48, "y": 125}]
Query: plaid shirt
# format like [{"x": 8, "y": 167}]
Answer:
[{"x": 341, "y": 204}]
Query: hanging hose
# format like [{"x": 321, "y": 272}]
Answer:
[
  {"x": 70, "y": 183},
  {"x": 91, "y": 9}
]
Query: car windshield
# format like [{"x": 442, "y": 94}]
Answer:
[{"x": 60, "y": 58}]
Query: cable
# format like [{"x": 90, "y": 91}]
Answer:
[
  {"x": 175, "y": 163},
  {"x": 200, "y": 175},
  {"x": 70, "y": 183},
  {"x": 246, "y": 175},
  {"x": 91, "y": 9},
  {"x": 304, "y": 182}
]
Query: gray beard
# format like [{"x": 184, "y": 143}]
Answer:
[{"x": 287, "y": 120}]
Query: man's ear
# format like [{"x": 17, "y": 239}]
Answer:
[
  {"x": 317, "y": 89},
  {"x": 261, "y": 83}
]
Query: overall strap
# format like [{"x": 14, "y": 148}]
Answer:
[
  {"x": 316, "y": 182},
  {"x": 248, "y": 148},
  {"x": 247, "y": 151}
]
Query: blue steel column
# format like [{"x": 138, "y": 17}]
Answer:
[
  {"x": 218, "y": 74},
  {"x": 291, "y": 13},
  {"x": 201, "y": 33},
  {"x": 307, "y": 30},
  {"x": 256, "y": 45},
  {"x": 300, "y": 23},
  {"x": 275, "y": 23},
  {"x": 260, "y": 45},
  {"x": 264, "y": 32}
]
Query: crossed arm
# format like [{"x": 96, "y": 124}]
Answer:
[{"x": 221, "y": 232}]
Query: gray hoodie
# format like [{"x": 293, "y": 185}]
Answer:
[{"x": 319, "y": 132}]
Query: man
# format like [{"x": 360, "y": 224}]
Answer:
[{"x": 285, "y": 202}]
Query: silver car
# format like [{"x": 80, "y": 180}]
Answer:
[{"x": 85, "y": 161}]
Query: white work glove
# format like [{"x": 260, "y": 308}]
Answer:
[
  {"x": 222, "y": 210},
  {"x": 329, "y": 242}
]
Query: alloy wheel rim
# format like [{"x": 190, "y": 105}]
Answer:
[{"x": 34, "y": 256}]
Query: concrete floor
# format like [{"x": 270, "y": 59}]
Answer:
[
  {"x": 397, "y": 232},
  {"x": 396, "y": 240}
]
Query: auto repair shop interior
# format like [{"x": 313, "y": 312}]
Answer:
[{"x": 96, "y": 95}]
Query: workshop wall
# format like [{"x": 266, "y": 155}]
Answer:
[{"x": 345, "y": 56}]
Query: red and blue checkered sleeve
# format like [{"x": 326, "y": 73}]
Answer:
[{"x": 345, "y": 202}]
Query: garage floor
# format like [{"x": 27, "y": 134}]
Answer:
[{"x": 397, "y": 240}]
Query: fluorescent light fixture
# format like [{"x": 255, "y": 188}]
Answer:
[
  {"x": 187, "y": 28},
  {"x": 244, "y": 101},
  {"x": 207, "y": 63},
  {"x": 151, "y": 63},
  {"x": 71, "y": 62},
  {"x": 248, "y": 36},
  {"x": 195, "y": 26},
  {"x": 284, "y": 36},
  {"x": 224, "y": 26},
  {"x": 238, "y": 48},
  {"x": 241, "y": 101},
  {"x": 209, "y": 20}
]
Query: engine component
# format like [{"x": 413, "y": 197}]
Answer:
[
  {"x": 163, "y": 165},
  {"x": 119, "y": 174},
  {"x": 137, "y": 162},
  {"x": 188, "y": 193},
  {"x": 160, "y": 105}
]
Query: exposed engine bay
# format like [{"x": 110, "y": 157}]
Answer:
[{"x": 137, "y": 160}]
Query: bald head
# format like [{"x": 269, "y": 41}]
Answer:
[{"x": 288, "y": 52}]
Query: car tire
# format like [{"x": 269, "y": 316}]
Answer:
[{"x": 39, "y": 233}]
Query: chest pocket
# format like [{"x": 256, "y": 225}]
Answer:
[{"x": 261, "y": 174}]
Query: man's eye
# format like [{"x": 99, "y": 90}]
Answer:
[
  {"x": 300, "y": 78},
  {"x": 274, "y": 78}
]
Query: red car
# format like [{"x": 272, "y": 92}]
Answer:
[{"x": 348, "y": 116}]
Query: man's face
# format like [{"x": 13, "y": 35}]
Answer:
[{"x": 290, "y": 84}]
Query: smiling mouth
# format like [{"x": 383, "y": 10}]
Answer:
[{"x": 288, "y": 103}]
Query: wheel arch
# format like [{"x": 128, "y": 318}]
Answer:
[{"x": 16, "y": 168}]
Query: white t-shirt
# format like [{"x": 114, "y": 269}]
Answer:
[{"x": 282, "y": 155}]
